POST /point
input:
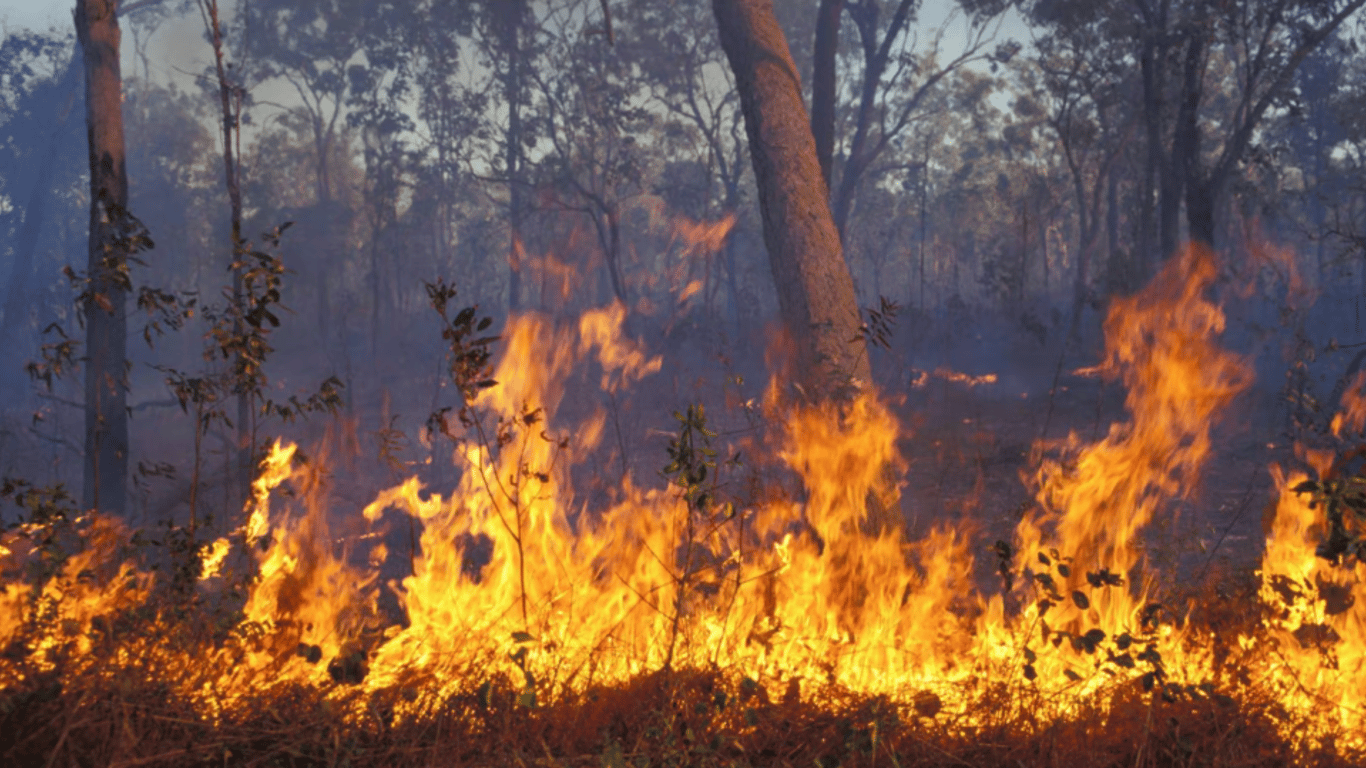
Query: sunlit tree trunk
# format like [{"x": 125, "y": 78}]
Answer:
[
  {"x": 815, "y": 289},
  {"x": 106, "y": 416}
]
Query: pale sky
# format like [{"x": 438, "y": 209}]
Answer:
[{"x": 36, "y": 14}]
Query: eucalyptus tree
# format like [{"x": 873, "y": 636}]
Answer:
[
  {"x": 685, "y": 72},
  {"x": 40, "y": 78},
  {"x": 333, "y": 54},
  {"x": 1087, "y": 94},
  {"x": 114, "y": 236},
  {"x": 895, "y": 77},
  {"x": 815, "y": 290},
  {"x": 594, "y": 122},
  {"x": 454, "y": 119}
]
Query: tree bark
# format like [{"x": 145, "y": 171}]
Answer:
[
  {"x": 823, "y": 85},
  {"x": 815, "y": 289},
  {"x": 106, "y": 414}
]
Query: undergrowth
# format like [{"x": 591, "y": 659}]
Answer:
[{"x": 128, "y": 686}]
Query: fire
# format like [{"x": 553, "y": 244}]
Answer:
[
  {"x": 788, "y": 587},
  {"x": 921, "y": 378}
]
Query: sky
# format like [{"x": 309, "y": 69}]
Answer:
[
  {"x": 35, "y": 14},
  {"x": 41, "y": 14}
]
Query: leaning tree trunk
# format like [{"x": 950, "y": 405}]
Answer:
[
  {"x": 106, "y": 415},
  {"x": 815, "y": 289}
]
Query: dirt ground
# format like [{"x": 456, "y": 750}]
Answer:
[{"x": 969, "y": 456}]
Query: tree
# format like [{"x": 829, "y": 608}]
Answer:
[
  {"x": 893, "y": 84},
  {"x": 17, "y": 53},
  {"x": 702, "y": 116},
  {"x": 510, "y": 18},
  {"x": 1085, "y": 68},
  {"x": 320, "y": 48},
  {"x": 815, "y": 290},
  {"x": 112, "y": 236},
  {"x": 595, "y": 119},
  {"x": 1263, "y": 43}
]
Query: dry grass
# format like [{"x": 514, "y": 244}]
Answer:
[{"x": 116, "y": 706}]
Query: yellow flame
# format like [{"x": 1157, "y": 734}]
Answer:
[
  {"x": 213, "y": 558},
  {"x": 787, "y": 583}
]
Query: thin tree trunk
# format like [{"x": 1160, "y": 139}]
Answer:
[
  {"x": 823, "y": 86},
  {"x": 1153, "y": 228},
  {"x": 511, "y": 20},
  {"x": 1112, "y": 218},
  {"x": 231, "y": 167},
  {"x": 1185, "y": 160},
  {"x": 106, "y": 414},
  {"x": 815, "y": 289}
]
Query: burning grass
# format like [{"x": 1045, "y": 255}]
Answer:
[{"x": 694, "y": 625}]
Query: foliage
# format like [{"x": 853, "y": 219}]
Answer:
[
  {"x": 1342, "y": 497},
  {"x": 881, "y": 323},
  {"x": 468, "y": 362}
]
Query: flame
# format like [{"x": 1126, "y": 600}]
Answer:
[
  {"x": 212, "y": 559},
  {"x": 788, "y": 584},
  {"x": 923, "y": 377}
]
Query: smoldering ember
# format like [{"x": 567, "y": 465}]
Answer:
[{"x": 683, "y": 383}]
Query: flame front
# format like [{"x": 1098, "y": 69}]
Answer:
[{"x": 795, "y": 588}]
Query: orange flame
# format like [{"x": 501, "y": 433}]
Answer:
[{"x": 787, "y": 586}]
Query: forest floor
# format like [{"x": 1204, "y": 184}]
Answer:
[{"x": 969, "y": 459}]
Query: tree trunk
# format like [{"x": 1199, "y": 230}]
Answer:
[
  {"x": 815, "y": 289},
  {"x": 1153, "y": 230},
  {"x": 106, "y": 415},
  {"x": 231, "y": 166},
  {"x": 510, "y": 20},
  {"x": 823, "y": 85},
  {"x": 1186, "y": 147}
]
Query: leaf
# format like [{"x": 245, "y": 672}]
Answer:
[
  {"x": 1029, "y": 672},
  {"x": 1073, "y": 676},
  {"x": 1081, "y": 600}
]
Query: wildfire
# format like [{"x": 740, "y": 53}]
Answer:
[
  {"x": 792, "y": 591},
  {"x": 922, "y": 378}
]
